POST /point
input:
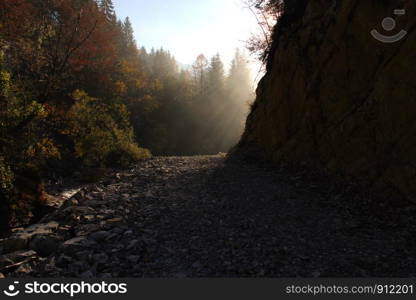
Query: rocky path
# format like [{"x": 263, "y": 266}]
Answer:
[{"x": 203, "y": 217}]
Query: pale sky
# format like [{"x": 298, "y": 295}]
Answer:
[{"x": 189, "y": 27}]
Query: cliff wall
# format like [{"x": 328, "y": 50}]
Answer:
[{"x": 335, "y": 96}]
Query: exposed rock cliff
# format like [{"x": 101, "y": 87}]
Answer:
[{"x": 336, "y": 96}]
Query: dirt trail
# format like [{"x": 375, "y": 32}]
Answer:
[{"x": 202, "y": 217}]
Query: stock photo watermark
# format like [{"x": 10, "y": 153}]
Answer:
[
  {"x": 69, "y": 289},
  {"x": 388, "y": 25}
]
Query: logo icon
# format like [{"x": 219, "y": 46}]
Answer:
[
  {"x": 389, "y": 24},
  {"x": 11, "y": 291}
]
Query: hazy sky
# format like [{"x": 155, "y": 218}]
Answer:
[{"x": 189, "y": 27}]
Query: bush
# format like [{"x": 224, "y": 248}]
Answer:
[
  {"x": 21, "y": 195},
  {"x": 21, "y": 189},
  {"x": 6, "y": 192},
  {"x": 126, "y": 153},
  {"x": 102, "y": 133}
]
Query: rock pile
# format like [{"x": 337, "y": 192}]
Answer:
[
  {"x": 83, "y": 238},
  {"x": 204, "y": 217}
]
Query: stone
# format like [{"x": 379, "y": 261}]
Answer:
[
  {"x": 100, "y": 258},
  {"x": 16, "y": 257},
  {"x": 5, "y": 261},
  {"x": 107, "y": 211},
  {"x": 128, "y": 233},
  {"x": 15, "y": 230},
  {"x": 79, "y": 267},
  {"x": 62, "y": 230},
  {"x": 117, "y": 230},
  {"x": 45, "y": 244},
  {"x": 42, "y": 228},
  {"x": 79, "y": 196},
  {"x": 83, "y": 210},
  {"x": 63, "y": 260},
  {"x": 133, "y": 258},
  {"x": 149, "y": 194},
  {"x": 76, "y": 244},
  {"x": 16, "y": 242},
  {"x": 99, "y": 236},
  {"x": 69, "y": 203},
  {"x": 114, "y": 221},
  {"x": 88, "y": 218},
  {"x": 86, "y": 229},
  {"x": 180, "y": 275},
  {"x": 316, "y": 274},
  {"x": 112, "y": 236},
  {"x": 197, "y": 265},
  {"x": 19, "y": 256},
  {"x": 87, "y": 274},
  {"x": 132, "y": 244},
  {"x": 20, "y": 239},
  {"x": 83, "y": 254},
  {"x": 23, "y": 269},
  {"x": 96, "y": 203}
]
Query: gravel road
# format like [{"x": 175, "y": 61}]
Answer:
[{"x": 204, "y": 216}]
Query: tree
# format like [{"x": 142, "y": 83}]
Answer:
[
  {"x": 272, "y": 17},
  {"x": 200, "y": 69},
  {"x": 77, "y": 93},
  {"x": 239, "y": 76},
  {"x": 128, "y": 32},
  {"x": 266, "y": 13},
  {"x": 239, "y": 93},
  {"x": 162, "y": 64},
  {"x": 216, "y": 75},
  {"x": 126, "y": 43},
  {"x": 60, "y": 44},
  {"x": 107, "y": 7}
]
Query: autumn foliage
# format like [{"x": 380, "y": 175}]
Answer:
[
  {"x": 76, "y": 92},
  {"x": 53, "y": 55}
]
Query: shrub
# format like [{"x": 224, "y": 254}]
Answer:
[
  {"x": 6, "y": 192},
  {"x": 126, "y": 153},
  {"x": 102, "y": 133}
]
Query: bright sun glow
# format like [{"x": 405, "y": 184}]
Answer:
[{"x": 188, "y": 28}]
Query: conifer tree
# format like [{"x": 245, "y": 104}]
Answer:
[
  {"x": 200, "y": 68},
  {"x": 107, "y": 7},
  {"x": 128, "y": 32},
  {"x": 239, "y": 76},
  {"x": 216, "y": 74}
]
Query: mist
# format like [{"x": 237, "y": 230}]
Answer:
[{"x": 199, "y": 110}]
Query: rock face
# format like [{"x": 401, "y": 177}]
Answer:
[{"x": 335, "y": 96}]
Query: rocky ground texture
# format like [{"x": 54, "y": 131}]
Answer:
[{"x": 207, "y": 217}]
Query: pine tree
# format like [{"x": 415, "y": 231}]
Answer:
[
  {"x": 239, "y": 93},
  {"x": 239, "y": 76},
  {"x": 107, "y": 7},
  {"x": 128, "y": 32},
  {"x": 216, "y": 74},
  {"x": 164, "y": 64},
  {"x": 200, "y": 68}
]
